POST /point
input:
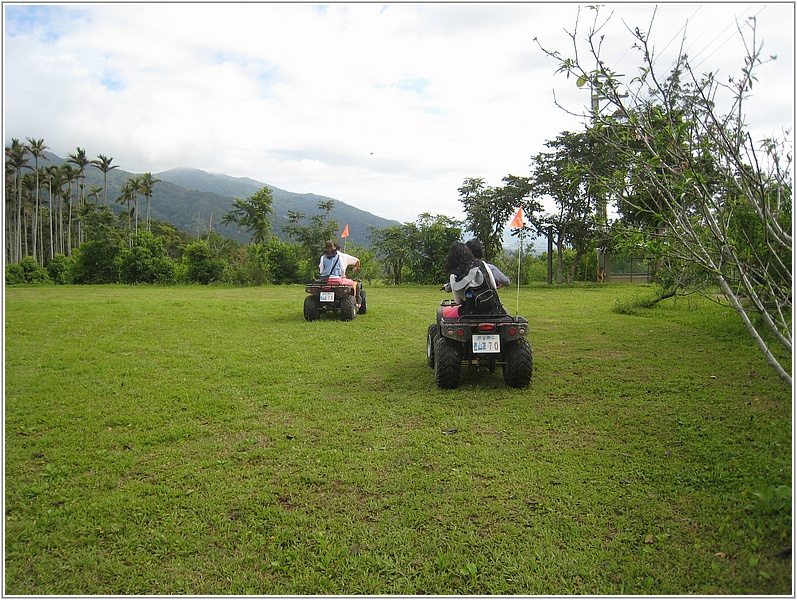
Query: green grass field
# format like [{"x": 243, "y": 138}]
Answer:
[{"x": 204, "y": 440}]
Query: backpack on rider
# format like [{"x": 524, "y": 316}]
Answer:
[{"x": 479, "y": 295}]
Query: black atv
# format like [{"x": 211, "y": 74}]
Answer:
[
  {"x": 478, "y": 341},
  {"x": 336, "y": 297}
]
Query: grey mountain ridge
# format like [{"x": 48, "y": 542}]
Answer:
[{"x": 194, "y": 201}]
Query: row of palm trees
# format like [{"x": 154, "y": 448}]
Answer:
[{"x": 46, "y": 205}]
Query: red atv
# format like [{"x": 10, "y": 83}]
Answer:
[
  {"x": 335, "y": 296},
  {"x": 478, "y": 341}
]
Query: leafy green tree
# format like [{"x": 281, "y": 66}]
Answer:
[
  {"x": 431, "y": 241},
  {"x": 97, "y": 259},
  {"x": 146, "y": 261},
  {"x": 488, "y": 210},
  {"x": 253, "y": 215},
  {"x": 700, "y": 178},
  {"x": 393, "y": 246},
  {"x": 201, "y": 264},
  {"x": 562, "y": 174},
  {"x": 173, "y": 239},
  {"x": 281, "y": 261}
]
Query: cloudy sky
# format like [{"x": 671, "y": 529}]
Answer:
[{"x": 387, "y": 107}]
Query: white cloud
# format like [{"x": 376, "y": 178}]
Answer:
[{"x": 388, "y": 107}]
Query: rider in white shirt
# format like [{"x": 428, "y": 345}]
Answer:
[
  {"x": 334, "y": 264},
  {"x": 346, "y": 260}
]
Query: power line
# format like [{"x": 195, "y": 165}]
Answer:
[{"x": 730, "y": 37}]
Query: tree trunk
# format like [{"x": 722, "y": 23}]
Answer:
[{"x": 762, "y": 345}]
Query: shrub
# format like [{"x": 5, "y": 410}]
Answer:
[
  {"x": 58, "y": 268},
  {"x": 27, "y": 271},
  {"x": 96, "y": 261},
  {"x": 146, "y": 261},
  {"x": 201, "y": 265}
]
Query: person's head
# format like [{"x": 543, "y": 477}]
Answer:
[
  {"x": 337, "y": 246},
  {"x": 329, "y": 248},
  {"x": 475, "y": 247},
  {"x": 459, "y": 260}
]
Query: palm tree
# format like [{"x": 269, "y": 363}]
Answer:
[
  {"x": 95, "y": 191},
  {"x": 80, "y": 159},
  {"x": 103, "y": 163},
  {"x": 36, "y": 149},
  {"x": 15, "y": 162},
  {"x": 129, "y": 194},
  {"x": 68, "y": 175},
  {"x": 146, "y": 184},
  {"x": 53, "y": 179}
]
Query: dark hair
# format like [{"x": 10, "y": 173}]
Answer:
[
  {"x": 475, "y": 247},
  {"x": 460, "y": 260}
]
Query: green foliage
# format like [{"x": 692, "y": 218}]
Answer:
[
  {"x": 146, "y": 261},
  {"x": 393, "y": 247},
  {"x": 273, "y": 262},
  {"x": 27, "y": 271},
  {"x": 488, "y": 210},
  {"x": 369, "y": 263},
  {"x": 172, "y": 238},
  {"x": 96, "y": 261},
  {"x": 201, "y": 265},
  {"x": 253, "y": 215},
  {"x": 693, "y": 189},
  {"x": 312, "y": 235},
  {"x": 431, "y": 241},
  {"x": 59, "y": 269}
]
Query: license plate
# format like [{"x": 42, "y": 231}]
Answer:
[
  {"x": 327, "y": 296},
  {"x": 486, "y": 343}
]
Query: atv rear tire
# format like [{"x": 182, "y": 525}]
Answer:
[
  {"x": 447, "y": 363},
  {"x": 348, "y": 308},
  {"x": 518, "y": 366},
  {"x": 363, "y": 307},
  {"x": 311, "y": 308}
]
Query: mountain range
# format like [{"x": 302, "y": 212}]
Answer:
[{"x": 195, "y": 201}]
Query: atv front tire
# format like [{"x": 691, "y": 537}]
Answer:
[{"x": 431, "y": 338}]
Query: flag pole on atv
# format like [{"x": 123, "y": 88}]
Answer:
[
  {"x": 344, "y": 235},
  {"x": 517, "y": 223}
]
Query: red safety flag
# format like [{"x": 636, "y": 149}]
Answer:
[
  {"x": 345, "y": 233},
  {"x": 517, "y": 222}
]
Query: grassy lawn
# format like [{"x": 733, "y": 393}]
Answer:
[{"x": 195, "y": 440}]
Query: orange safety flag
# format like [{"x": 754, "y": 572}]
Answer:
[
  {"x": 517, "y": 222},
  {"x": 345, "y": 233}
]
